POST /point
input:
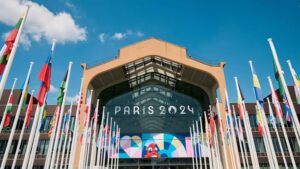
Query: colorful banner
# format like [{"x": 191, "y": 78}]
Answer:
[{"x": 158, "y": 145}]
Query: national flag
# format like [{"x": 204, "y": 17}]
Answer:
[
  {"x": 297, "y": 92},
  {"x": 8, "y": 111},
  {"x": 272, "y": 120},
  {"x": 241, "y": 133},
  {"x": 287, "y": 111},
  {"x": 43, "y": 122},
  {"x": 275, "y": 101},
  {"x": 25, "y": 96},
  {"x": 240, "y": 99},
  {"x": 259, "y": 121},
  {"x": 8, "y": 46},
  {"x": 277, "y": 76},
  {"x": 54, "y": 120},
  {"x": 212, "y": 126},
  {"x": 235, "y": 124},
  {"x": 62, "y": 90},
  {"x": 256, "y": 86},
  {"x": 29, "y": 111},
  {"x": 45, "y": 78}
]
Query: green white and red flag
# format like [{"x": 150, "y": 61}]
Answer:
[
  {"x": 8, "y": 46},
  {"x": 8, "y": 110}
]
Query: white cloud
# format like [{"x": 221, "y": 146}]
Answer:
[
  {"x": 42, "y": 23},
  {"x": 53, "y": 89},
  {"x": 119, "y": 35},
  {"x": 102, "y": 37},
  {"x": 72, "y": 99},
  {"x": 70, "y": 5}
]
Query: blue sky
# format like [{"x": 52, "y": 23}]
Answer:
[{"x": 92, "y": 31}]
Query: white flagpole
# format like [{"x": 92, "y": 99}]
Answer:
[
  {"x": 21, "y": 134},
  {"x": 118, "y": 150},
  {"x": 75, "y": 132},
  {"x": 199, "y": 144},
  {"x": 58, "y": 156},
  {"x": 207, "y": 138},
  {"x": 109, "y": 142},
  {"x": 67, "y": 128},
  {"x": 57, "y": 134},
  {"x": 12, "y": 55},
  {"x": 248, "y": 130},
  {"x": 69, "y": 146},
  {"x": 202, "y": 140},
  {"x": 88, "y": 145},
  {"x": 31, "y": 138},
  {"x": 266, "y": 133},
  {"x": 113, "y": 147},
  {"x": 12, "y": 133},
  {"x": 93, "y": 153},
  {"x": 52, "y": 137},
  {"x": 36, "y": 137},
  {"x": 192, "y": 148},
  {"x": 268, "y": 137},
  {"x": 194, "y": 145},
  {"x": 222, "y": 135},
  {"x": 218, "y": 155},
  {"x": 115, "y": 150},
  {"x": 100, "y": 135},
  {"x": 5, "y": 112},
  {"x": 246, "y": 165},
  {"x": 276, "y": 131},
  {"x": 296, "y": 83},
  {"x": 105, "y": 142},
  {"x": 85, "y": 130},
  {"x": 232, "y": 135},
  {"x": 287, "y": 93},
  {"x": 276, "y": 103}
]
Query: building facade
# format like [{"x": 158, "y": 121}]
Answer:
[{"x": 154, "y": 91}]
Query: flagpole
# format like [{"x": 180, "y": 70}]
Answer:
[
  {"x": 272, "y": 121},
  {"x": 36, "y": 136},
  {"x": 207, "y": 138},
  {"x": 248, "y": 130},
  {"x": 105, "y": 141},
  {"x": 276, "y": 103},
  {"x": 21, "y": 135},
  {"x": 222, "y": 135},
  {"x": 68, "y": 147},
  {"x": 118, "y": 150},
  {"x": 75, "y": 134},
  {"x": 259, "y": 104},
  {"x": 244, "y": 149},
  {"x": 239, "y": 138},
  {"x": 287, "y": 93},
  {"x": 93, "y": 156},
  {"x": 109, "y": 141},
  {"x": 202, "y": 140},
  {"x": 233, "y": 138},
  {"x": 192, "y": 142},
  {"x": 113, "y": 147},
  {"x": 12, "y": 133},
  {"x": 56, "y": 135},
  {"x": 99, "y": 140},
  {"x": 85, "y": 130},
  {"x": 12, "y": 55},
  {"x": 199, "y": 144},
  {"x": 296, "y": 82},
  {"x": 66, "y": 136},
  {"x": 5, "y": 112},
  {"x": 60, "y": 130},
  {"x": 88, "y": 145},
  {"x": 269, "y": 138},
  {"x": 219, "y": 161},
  {"x": 194, "y": 145},
  {"x": 31, "y": 138}
]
